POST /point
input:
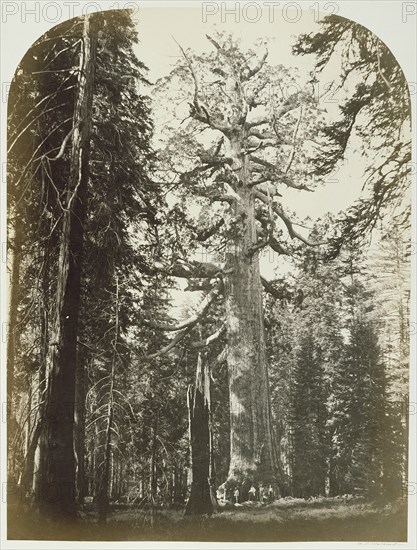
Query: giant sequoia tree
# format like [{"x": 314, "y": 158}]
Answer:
[
  {"x": 254, "y": 145},
  {"x": 57, "y": 464}
]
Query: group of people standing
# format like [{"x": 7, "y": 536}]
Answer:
[{"x": 260, "y": 494}]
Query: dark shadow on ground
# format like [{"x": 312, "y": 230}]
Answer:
[{"x": 283, "y": 520}]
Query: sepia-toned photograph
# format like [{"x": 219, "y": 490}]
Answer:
[{"x": 209, "y": 256}]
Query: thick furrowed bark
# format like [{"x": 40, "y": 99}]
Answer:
[
  {"x": 253, "y": 456},
  {"x": 57, "y": 462},
  {"x": 252, "y": 452}
]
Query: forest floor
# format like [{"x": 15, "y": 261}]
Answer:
[{"x": 342, "y": 519}]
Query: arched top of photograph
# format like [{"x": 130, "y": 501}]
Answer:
[{"x": 209, "y": 251}]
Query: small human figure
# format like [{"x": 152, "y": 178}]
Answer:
[
  {"x": 252, "y": 493},
  {"x": 270, "y": 494},
  {"x": 261, "y": 492},
  {"x": 236, "y": 495},
  {"x": 221, "y": 493}
]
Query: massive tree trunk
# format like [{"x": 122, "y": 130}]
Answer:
[
  {"x": 253, "y": 456},
  {"x": 57, "y": 463},
  {"x": 201, "y": 496}
]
